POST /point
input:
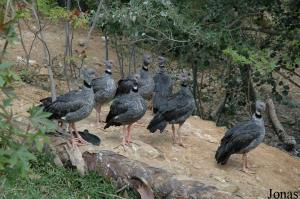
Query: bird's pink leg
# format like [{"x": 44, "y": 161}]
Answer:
[
  {"x": 245, "y": 165},
  {"x": 128, "y": 137},
  {"x": 173, "y": 134},
  {"x": 79, "y": 139},
  {"x": 123, "y": 143},
  {"x": 98, "y": 114},
  {"x": 180, "y": 143}
]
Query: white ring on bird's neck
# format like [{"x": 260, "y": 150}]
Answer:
[{"x": 108, "y": 70}]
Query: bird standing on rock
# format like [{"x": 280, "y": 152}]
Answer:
[
  {"x": 125, "y": 110},
  {"x": 163, "y": 85},
  {"x": 104, "y": 89},
  {"x": 243, "y": 138},
  {"x": 73, "y": 106},
  {"x": 175, "y": 110}
]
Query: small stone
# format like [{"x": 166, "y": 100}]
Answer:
[
  {"x": 219, "y": 179},
  {"x": 145, "y": 150},
  {"x": 81, "y": 42}
]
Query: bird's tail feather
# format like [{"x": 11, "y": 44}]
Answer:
[
  {"x": 222, "y": 155},
  {"x": 157, "y": 122}
]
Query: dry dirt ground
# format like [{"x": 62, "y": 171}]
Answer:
[{"x": 275, "y": 169}]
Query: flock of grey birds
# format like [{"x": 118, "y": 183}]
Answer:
[{"x": 129, "y": 105}]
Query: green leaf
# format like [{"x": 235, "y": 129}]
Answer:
[
  {"x": 5, "y": 65},
  {"x": 6, "y": 102},
  {"x": 2, "y": 82},
  {"x": 39, "y": 119}
]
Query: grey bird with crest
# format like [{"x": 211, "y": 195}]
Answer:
[
  {"x": 163, "y": 85},
  {"x": 73, "y": 106},
  {"x": 243, "y": 138},
  {"x": 145, "y": 80},
  {"x": 126, "y": 109},
  {"x": 104, "y": 89},
  {"x": 175, "y": 110}
]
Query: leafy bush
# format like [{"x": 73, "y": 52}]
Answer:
[{"x": 15, "y": 141}]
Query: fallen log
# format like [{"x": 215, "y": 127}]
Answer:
[
  {"x": 149, "y": 182},
  {"x": 288, "y": 140}
]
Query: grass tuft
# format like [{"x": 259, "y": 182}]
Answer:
[{"x": 46, "y": 180}]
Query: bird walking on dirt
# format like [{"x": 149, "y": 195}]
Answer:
[
  {"x": 243, "y": 138},
  {"x": 125, "y": 110},
  {"x": 174, "y": 110},
  {"x": 104, "y": 89},
  {"x": 73, "y": 106}
]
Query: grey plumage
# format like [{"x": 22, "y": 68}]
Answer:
[
  {"x": 243, "y": 137},
  {"x": 163, "y": 86},
  {"x": 104, "y": 87},
  {"x": 72, "y": 106},
  {"x": 145, "y": 80},
  {"x": 126, "y": 109}
]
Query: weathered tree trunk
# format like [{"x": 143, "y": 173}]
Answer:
[
  {"x": 195, "y": 87},
  {"x": 94, "y": 22},
  {"x": 119, "y": 56},
  {"x": 106, "y": 46},
  {"x": 3, "y": 51},
  {"x": 47, "y": 56},
  {"x": 288, "y": 140},
  {"x": 248, "y": 88},
  {"x": 149, "y": 181}
]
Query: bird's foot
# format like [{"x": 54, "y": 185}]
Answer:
[
  {"x": 250, "y": 166},
  {"x": 247, "y": 171},
  {"x": 123, "y": 145},
  {"x": 76, "y": 142},
  {"x": 129, "y": 143},
  {"x": 182, "y": 145},
  {"x": 100, "y": 125}
]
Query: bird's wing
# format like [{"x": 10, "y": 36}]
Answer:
[
  {"x": 163, "y": 84},
  {"x": 61, "y": 108},
  {"x": 241, "y": 135},
  {"x": 69, "y": 96},
  {"x": 177, "y": 106},
  {"x": 117, "y": 107}
]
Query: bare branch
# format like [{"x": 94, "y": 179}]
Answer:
[
  {"x": 287, "y": 78},
  {"x": 94, "y": 21}
]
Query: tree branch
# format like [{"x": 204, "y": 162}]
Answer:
[{"x": 287, "y": 78}]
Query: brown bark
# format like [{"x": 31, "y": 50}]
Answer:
[
  {"x": 281, "y": 133},
  {"x": 149, "y": 181}
]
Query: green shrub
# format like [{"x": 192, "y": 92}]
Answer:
[{"x": 16, "y": 138}]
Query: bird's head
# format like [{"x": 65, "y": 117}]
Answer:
[
  {"x": 161, "y": 61},
  {"x": 146, "y": 61},
  {"x": 184, "y": 79},
  {"x": 88, "y": 75},
  {"x": 260, "y": 107},
  {"x": 135, "y": 78},
  {"x": 108, "y": 66}
]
